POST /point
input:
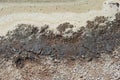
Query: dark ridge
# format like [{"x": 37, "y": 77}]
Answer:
[
  {"x": 27, "y": 42},
  {"x": 62, "y": 27}
]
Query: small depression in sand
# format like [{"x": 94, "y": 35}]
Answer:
[{"x": 54, "y": 13}]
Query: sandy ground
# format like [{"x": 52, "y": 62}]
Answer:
[
  {"x": 53, "y": 13},
  {"x": 45, "y": 7},
  {"x": 106, "y": 68},
  {"x": 47, "y": 12}
]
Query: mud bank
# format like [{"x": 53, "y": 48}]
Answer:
[
  {"x": 27, "y": 45},
  {"x": 99, "y": 36}
]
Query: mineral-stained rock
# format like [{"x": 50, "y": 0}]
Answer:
[{"x": 89, "y": 42}]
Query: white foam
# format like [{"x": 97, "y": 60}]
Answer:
[{"x": 9, "y": 22}]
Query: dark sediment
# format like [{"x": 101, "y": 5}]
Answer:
[{"x": 27, "y": 42}]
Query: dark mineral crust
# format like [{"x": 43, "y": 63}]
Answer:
[{"x": 28, "y": 42}]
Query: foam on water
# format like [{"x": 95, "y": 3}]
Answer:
[{"x": 9, "y": 22}]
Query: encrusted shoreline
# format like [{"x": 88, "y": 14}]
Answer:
[
  {"x": 91, "y": 53},
  {"x": 29, "y": 42}
]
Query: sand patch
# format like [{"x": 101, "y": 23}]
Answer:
[{"x": 13, "y": 14}]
